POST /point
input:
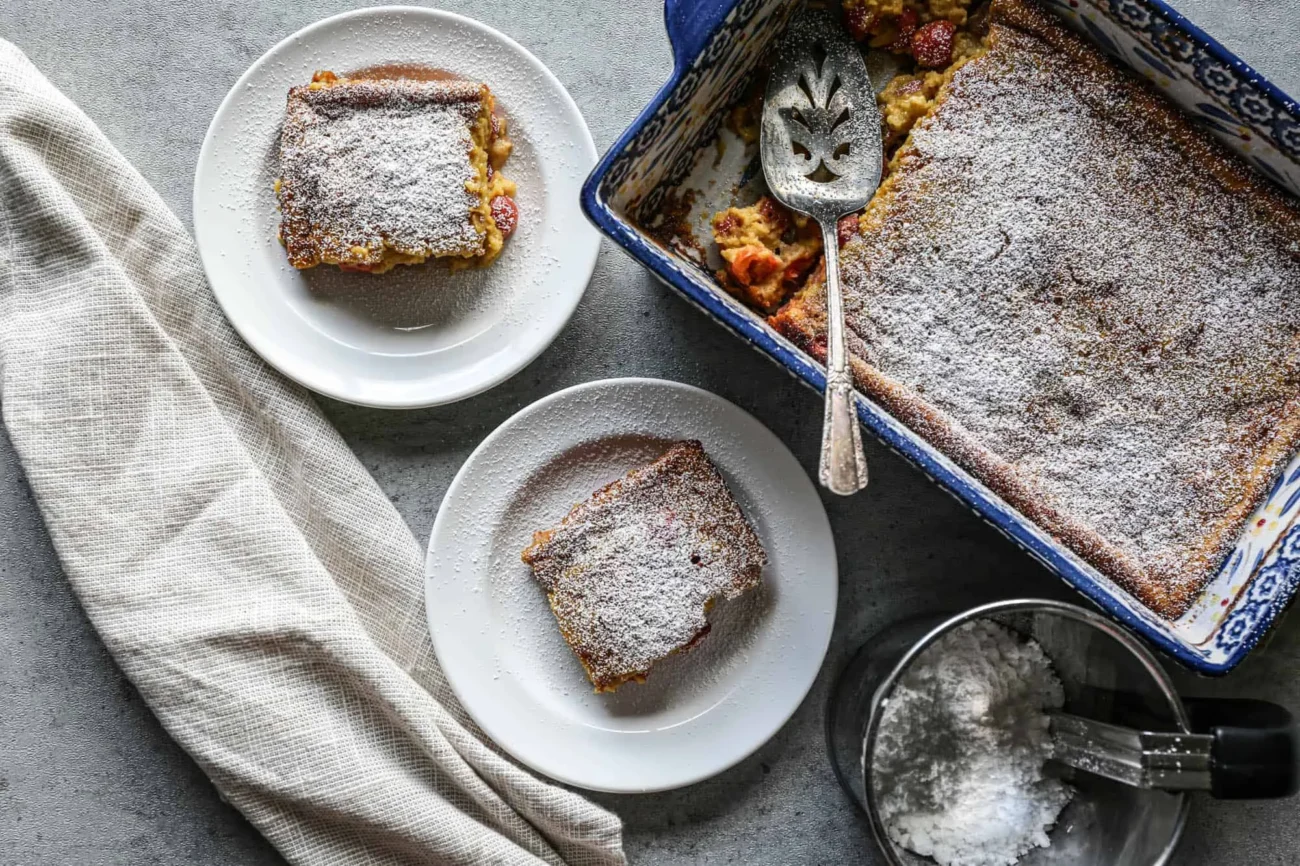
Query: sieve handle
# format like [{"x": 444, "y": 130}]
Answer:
[{"x": 1255, "y": 753}]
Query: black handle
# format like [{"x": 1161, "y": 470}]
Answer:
[{"x": 1256, "y": 752}]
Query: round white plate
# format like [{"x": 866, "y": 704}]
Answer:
[
  {"x": 415, "y": 336},
  {"x": 497, "y": 641}
]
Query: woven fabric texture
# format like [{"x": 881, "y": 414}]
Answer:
[{"x": 241, "y": 566}]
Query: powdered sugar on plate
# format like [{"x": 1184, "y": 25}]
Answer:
[
  {"x": 959, "y": 754},
  {"x": 632, "y": 572},
  {"x": 680, "y": 684}
]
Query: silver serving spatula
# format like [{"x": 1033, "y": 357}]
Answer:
[{"x": 821, "y": 151}]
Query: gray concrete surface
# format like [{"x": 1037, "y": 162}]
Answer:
[{"x": 88, "y": 776}]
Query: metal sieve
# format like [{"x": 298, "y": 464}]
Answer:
[{"x": 1108, "y": 676}]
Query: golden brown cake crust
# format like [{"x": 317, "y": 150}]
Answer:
[
  {"x": 631, "y": 573},
  {"x": 377, "y": 172},
  {"x": 1083, "y": 301}
]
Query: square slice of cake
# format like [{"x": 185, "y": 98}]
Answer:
[
  {"x": 380, "y": 172},
  {"x": 1083, "y": 300},
  {"x": 632, "y": 572}
]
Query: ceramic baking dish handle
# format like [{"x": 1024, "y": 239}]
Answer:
[
  {"x": 690, "y": 23},
  {"x": 1254, "y": 753}
]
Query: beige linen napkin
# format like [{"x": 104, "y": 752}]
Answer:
[{"x": 240, "y": 565}]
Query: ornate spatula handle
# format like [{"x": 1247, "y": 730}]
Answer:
[
  {"x": 843, "y": 467},
  {"x": 822, "y": 154}
]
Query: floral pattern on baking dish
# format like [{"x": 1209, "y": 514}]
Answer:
[
  {"x": 1223, "y": 94},
  {"x": 670, "y": 136},
  {"x": 718, "y": 44}
]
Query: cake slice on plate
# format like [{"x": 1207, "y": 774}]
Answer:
[
  {"x": 632, "y": 572},
  {"x": 376, "y": 173}
]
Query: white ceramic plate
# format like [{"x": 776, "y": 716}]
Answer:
[
  {"x": 416, "y": 336},
  {"x": 497, "y": 640}
]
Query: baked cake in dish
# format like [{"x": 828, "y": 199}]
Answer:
[
  {"x": 1085, "y": 302},
  {"x": 376, "y": 173},
  {"x": 632, "y": 572}
]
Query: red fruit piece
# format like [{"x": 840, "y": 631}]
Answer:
[
  {"x": 932, "y": 44},
  {"x": 752, "y": 265},
  {"x": 847, "y": 228},
  {"x": 796, "y": 270},
  {"x": 505, "y": 213},
  {"x": 858, "y": 21},
  {"x": 776, "y": 215},
  {"x": 907, "y": 23}
]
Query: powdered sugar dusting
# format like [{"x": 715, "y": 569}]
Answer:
[
  {"x": 369, "y": 162},
  {"x": 631, "y": 572},
  {"x": 957, "y": 768},
  {"x": 540, "y": 487},
  {"x": 1067, "y": 282}
]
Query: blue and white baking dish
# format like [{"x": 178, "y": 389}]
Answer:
[{"x": 717, "y": 45}]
